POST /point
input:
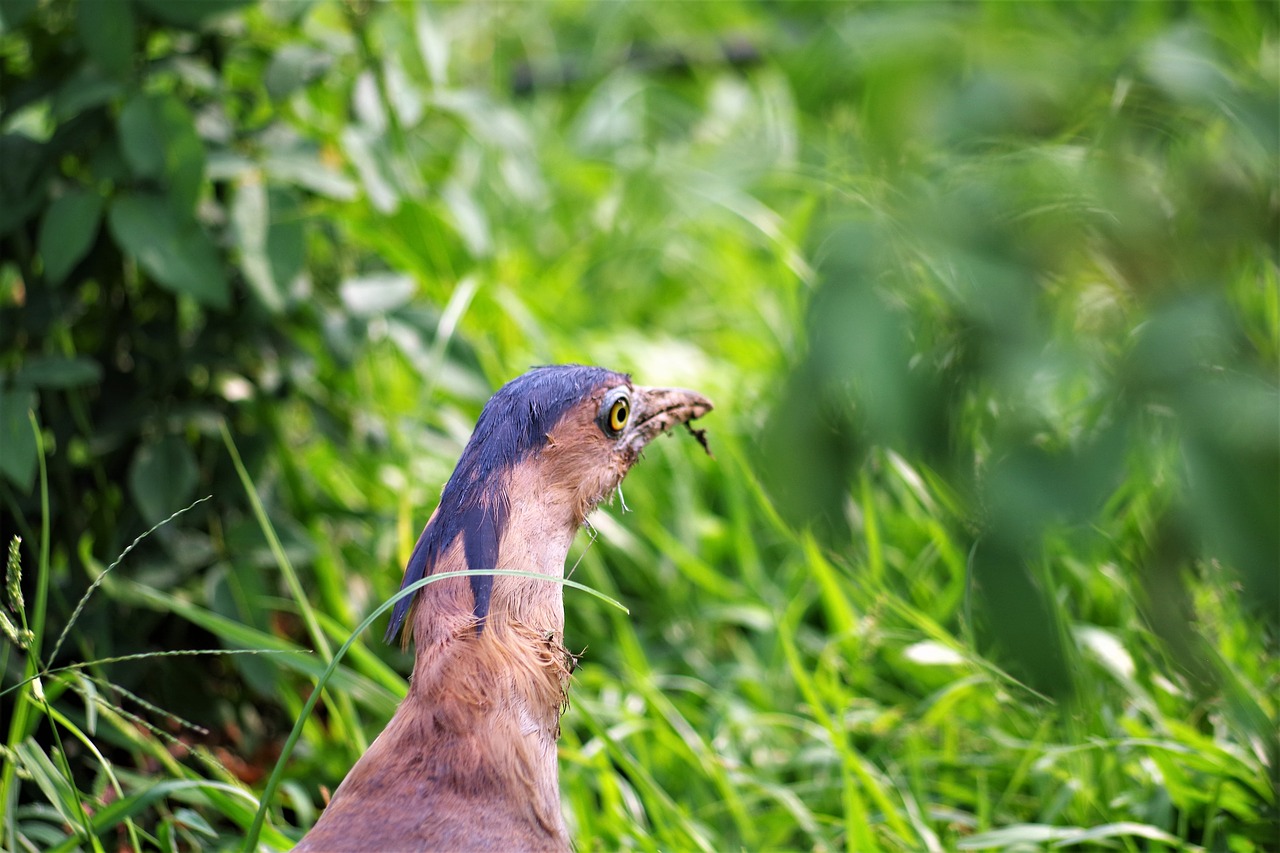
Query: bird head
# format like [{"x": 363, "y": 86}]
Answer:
[{"x": 559, "y": 439}]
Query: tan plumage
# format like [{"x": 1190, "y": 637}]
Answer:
[{"x": 468, "y": 762}]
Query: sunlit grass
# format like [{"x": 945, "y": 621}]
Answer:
[{"x": 813, "y": 699}]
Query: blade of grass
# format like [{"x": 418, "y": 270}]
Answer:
[
  {"x": 45, "y": 775},
  {"x": 60, "y": 756},
  {"x": 844, "y": 619},
  {"x": 120, "y": 810},
  {"x": 347, "y": 717},
  {"x": 24, "y": 704},
  {"x": 671, "y": 814},
  {"x": 857, "y": 823},
  {"x": 699, "y": 754},
  {"x": 58, "y": 717},
  {"x": 277, "y": 549}
]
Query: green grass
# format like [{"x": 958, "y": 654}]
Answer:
[
  {"x": 964, "y": 282},
  {"x": 813, "y": 701}
]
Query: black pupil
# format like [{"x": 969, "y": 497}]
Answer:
[{"x": 619, "y": 412}]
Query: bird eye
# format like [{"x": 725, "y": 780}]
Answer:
[
  {"x": 618, "y": 413},
  {"x": 614, "y": 412}
]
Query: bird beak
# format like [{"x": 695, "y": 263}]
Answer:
[{"x": 657, "y": 410}]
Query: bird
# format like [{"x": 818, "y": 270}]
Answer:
[{"x": 468, "y": 760}]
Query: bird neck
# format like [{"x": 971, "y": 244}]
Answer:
[
  {"x": 485, "y": 701},
  {"x": 492, "y": 693},
  {"x": 540, "y": 524}
]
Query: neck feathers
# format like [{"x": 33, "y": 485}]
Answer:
[
  {"x": 469, "y": 760},
  {"x": 516, "y": 656}
]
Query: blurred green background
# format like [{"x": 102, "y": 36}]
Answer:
[{"x": 986, "y": 295}]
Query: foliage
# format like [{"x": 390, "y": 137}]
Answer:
[
  {"x": 1067, "y": 286},
  {"x": 986, "y": 295}
]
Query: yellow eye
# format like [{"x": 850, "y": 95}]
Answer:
[
  {"x": 618, "y": 414},
  {"x": 615, "y": 411}
]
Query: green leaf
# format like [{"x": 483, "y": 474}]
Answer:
[
  {"x": 46, "y": 776},
  {"x": 176, "y": 251},
  {"x": 162, "y": 477},
  {"x": 57, "y": 371},
  {"x": 67, "y": 232},
  {"x": 294, "y": 66},
  {"x": 22, "y": 179},
  {"x": 368, "y": 154},
  {"x": 106, "y": 31},
  {"x": 378, "y": 293},
  {"x": 302, "y": 167},
  {"x": 85, "y": 89},
  {"x": 159, "y": 141},
  {"x": 286, "y": 237},
  {"x": 191, "y": 819},
  {"x": 140, "y": 136},
  {"x": 249, "y": 217},
  {"x": 18, "y": 461},
  {"x": 271, "y": 239}
]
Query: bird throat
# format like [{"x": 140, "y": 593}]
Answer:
[
  {"x": 489, "y": 700},
  {"x": 518, "y": 647}
]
